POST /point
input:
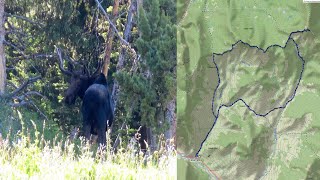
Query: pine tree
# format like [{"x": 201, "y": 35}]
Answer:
[{"x": 153, "y": 87}]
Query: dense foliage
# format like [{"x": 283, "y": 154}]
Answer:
[
  {"x": 73, "y": 26},
  {"x": 34, "y": 28},
  {"x": 153, "y": 86}
]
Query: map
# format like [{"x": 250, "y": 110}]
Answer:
[{"x": 248, "y": 84}]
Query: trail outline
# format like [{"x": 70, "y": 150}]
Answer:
[{"x": 216, "y": 116}]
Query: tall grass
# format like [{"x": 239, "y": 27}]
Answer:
[{"x": 24, "y": 158}]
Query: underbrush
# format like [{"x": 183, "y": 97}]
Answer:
[{"x": 23, "y": 158}]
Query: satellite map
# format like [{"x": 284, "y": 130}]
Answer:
[{"x": 248, "y": 89}]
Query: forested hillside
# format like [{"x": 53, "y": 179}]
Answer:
[
  {"x": 49, "y": 51},
  {"x": 135, "y": 41}
]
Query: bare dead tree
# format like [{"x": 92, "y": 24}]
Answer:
[
  {"x": 126, "y": 36},
  {"x": 20, "y": 95},
  {"x": 123, "y": 41},
  {"x": 3, "y": 75},
  {"x": 110, "y": 36},
  {"x": 116, "y": 87}
]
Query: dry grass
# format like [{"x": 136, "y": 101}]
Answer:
[{"x": 40, "y": 159}]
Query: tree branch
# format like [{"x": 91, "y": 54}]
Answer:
[
  {"x": 29, "y": 93},
  {"x": 24, "y": 85},
  {"x": 39, "y": 111},
  {"x": 22, "y": 103},
  {"x": 117, "y": 141},
  {"x": 24, "y": 19},
  {"x": 124, "y": 42},
  {"x": 13, "y": 30},
  {"x": 14, "y": 47},
  {"x": 11, "y": 84},
  {"x": 61, "y": 62},
  {"x": 33, "y": 56}
]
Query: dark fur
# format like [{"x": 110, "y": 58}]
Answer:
[{"x": 97, "y": 109}]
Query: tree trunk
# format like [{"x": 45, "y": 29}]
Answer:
[
  {"x": 116, "y": 88},
  {"x": 110, "y": 36},
  {"x": 3, "y": 76},
  {"x": 126, "y": 36},
  {"x": 152, "y": 142},
  {"x": 171, "y": 119}
]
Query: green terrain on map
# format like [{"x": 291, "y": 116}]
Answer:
[{"x": 279, "y": 144}]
